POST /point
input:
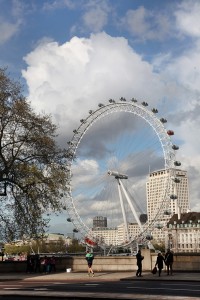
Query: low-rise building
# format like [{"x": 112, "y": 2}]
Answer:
[
  {"x": 116, "y": 236},
  {"x": 183, "y": 232}
]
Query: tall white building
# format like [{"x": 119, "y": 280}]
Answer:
[
  {"x": 155, "y": 192},
  {"x": 156, "y": 189}
]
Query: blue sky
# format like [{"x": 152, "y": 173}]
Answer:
[
  {"x": 150, "y": 27},
  {"x": 72, "y": 54}
]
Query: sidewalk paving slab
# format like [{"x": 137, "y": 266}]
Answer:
[{"x": 100, "y": 276}]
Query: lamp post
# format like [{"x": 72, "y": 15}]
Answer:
[
  {"x": 169, "y": 240},
  {"x": 176, "y": 238}
]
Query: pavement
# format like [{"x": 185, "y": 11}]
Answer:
[{"x": 99, "y": 277}]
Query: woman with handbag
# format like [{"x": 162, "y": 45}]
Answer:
[{"x": 159, "y": 263}]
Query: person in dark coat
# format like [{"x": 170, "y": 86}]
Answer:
[
  {"x": 37, "y": 264},
  {"x": 29, "y": 266},
  {"x": 139, "y": 258},
  {"x": 169, "y": 259},
  {"x": 159, "y": 263}
]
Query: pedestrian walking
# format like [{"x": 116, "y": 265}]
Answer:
[
  {"x": 139, "y": 258},
  {"x": 29, "y": 264},
  {"x": 89, "y": 257},
  {"x": 169, "y": 259},
  {"x": 44, "y": 263},
  {"x": 159, "y": 263},
  {"x": 53, "y": 264},
  {"x": 37, "y": 264},
  {"x": 48, "y": 265}
]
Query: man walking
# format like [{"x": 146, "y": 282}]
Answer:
[
  {"x": 139, "y": 258},
  {"x": 169, "y": 259}
]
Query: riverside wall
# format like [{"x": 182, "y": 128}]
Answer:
[{"x": 189, "y": 262}]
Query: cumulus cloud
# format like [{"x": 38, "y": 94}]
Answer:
[
  {"x": 185, "y": 120},
  {"x": 10, "y": 26},
  {"x": 7, "y": 30},
  {"x": 95, "y": 19},
  {"x": 58, "y": 4},
  {"x": 146, "y": 25},
  {"x": 68, "y": 80},
  {"x": 96, "y": 15},
  {"x": 187, "y": 18}
]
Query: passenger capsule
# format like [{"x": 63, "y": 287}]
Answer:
[
  {"x": 170, "y": 132},
  {"x": 177, "y": 163},
  {"x": 149, "y": 237},
  {"x": 159, "y": 226},
  {"x": 144, "y": 103},
  {"x": 175, "y": 179},
  {"x": 174, "y": 147},
  {"x": 162, "y": 120},
  {"x": 133, "y": 100}
]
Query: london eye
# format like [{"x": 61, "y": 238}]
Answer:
[{"x": 109, "y": 158}]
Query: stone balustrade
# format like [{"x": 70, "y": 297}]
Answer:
[{"x": 182, "y": 262}]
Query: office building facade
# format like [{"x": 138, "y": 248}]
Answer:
[
  {"x": 177, "y": 195},
  {"x": 100, "y": 222}
]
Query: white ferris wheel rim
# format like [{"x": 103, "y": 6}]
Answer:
[{"x": 94, "y": 116}]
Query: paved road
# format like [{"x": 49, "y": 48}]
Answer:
[{"x": 112, "y": 285}]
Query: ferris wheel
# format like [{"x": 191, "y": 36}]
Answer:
[{"x": 110, "y": 157}]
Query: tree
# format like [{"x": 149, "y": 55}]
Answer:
[
  {"x": 58, "y": 247},
  {"x": 75, "y": 247},
  {"x": 159, "y": 246},
  {"x": 32, "y": 167}
]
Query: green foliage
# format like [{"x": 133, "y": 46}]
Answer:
[
  {"x": 32, "y": 166},
  {"x": 75, "y": 247},
  {"x": 40, "y": 246},
  {"x": 160, "y": 247},
  {"x": 12, "y": 249}
]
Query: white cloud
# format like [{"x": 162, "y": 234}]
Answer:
[
  {"x": 95, "y": 19},
  {"x": 69, "y": 79},
  {"x": 185, "y": 70},
  {"x": 8, "y": 30},
  {"x": 187, "y": 18},
  {"x": 18, "y": 8},
  {"x": 96, "y": 14},
  {"x": 57, "y": 4},
  {"x": 11, "y": 24},
  {"x": 146, "y": 25},
  {"x": 82, "y": 169}
]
